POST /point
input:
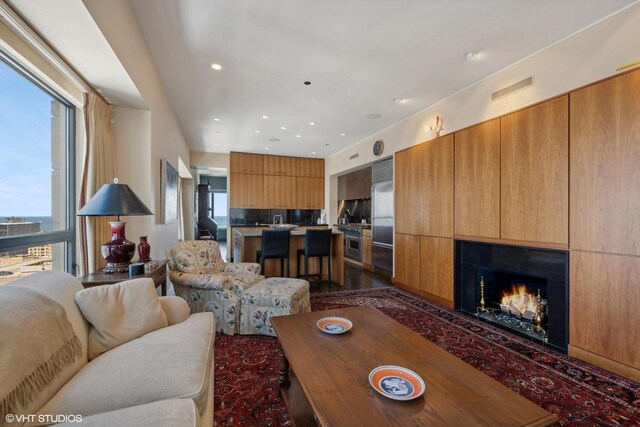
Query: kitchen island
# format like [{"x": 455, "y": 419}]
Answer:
[{"x": 248, "y": 240}]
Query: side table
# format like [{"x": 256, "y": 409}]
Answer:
[{"x": 159, "y": 276}]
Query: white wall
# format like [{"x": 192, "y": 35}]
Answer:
[
  {"x": 143, "y": 137},
  {"x": 583, "y": 58}
]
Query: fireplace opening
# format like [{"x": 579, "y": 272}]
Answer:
[{"x": 522, "y": 290}]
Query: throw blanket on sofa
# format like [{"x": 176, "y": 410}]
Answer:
[{"x": 31, "y": 362}]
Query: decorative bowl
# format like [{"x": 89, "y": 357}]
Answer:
[
  {"x": 283, "y": 226},
  {"x": 396, "y": 382},
  {"x": 334, "y": 325}
]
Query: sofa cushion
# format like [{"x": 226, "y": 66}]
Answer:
[
  {"x": 197, "y": 256},
  {"x": 119, "y": 313},
  {"x": 165, "y": 413},
  {"x": 170, "y": 363}
]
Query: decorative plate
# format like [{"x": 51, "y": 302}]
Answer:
[
  {"x": 396, "y": 382},
  {"x": 334, "y": 325}
]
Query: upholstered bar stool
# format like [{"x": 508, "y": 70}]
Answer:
[
  {"x": 317, "y": 243},
  {"x": 275, "y": 245}
]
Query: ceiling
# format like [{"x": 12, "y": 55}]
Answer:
[{"x": 359, "y": 55}]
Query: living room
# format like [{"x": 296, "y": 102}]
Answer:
[{"x": 531, "y": 193}]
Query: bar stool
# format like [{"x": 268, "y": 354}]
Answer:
[
  {"x": 275, "y": 245},
  {"x": 317, "y": 243}
]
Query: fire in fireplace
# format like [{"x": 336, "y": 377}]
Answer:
[{"x": 523, "y": 290}]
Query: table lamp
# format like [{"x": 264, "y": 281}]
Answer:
[{"x": 116, "y": 199}]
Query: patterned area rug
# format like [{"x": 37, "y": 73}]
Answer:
[{"x": 246, "y": 372}]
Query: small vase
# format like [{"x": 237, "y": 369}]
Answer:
[{"x": 144, "y": 250}]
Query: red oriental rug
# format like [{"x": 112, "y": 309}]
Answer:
[{"x": 246, "y": 367}]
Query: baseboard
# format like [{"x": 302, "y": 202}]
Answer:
[
  {"x": 603, "y": 362},
  {"x": 431, "y": 297}
]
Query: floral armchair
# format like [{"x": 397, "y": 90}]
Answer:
[{"x": 207, "y": 283}]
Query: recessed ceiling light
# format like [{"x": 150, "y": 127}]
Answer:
[
  {"x": 265, "y": 117},
  {"x": 215, "y": 145},
  {"x": 257, "y": 131},
  {"x": 283, "y": 127},
  {"x": 298, "y": 136},
  {"x": 218, "y": 132},
  {"x": 266, "y": 148},
  {"x": 215, "y": 119},
  {"x": 312, "y": 123},
  {"x": 373, "y": 116},
  {"x": 274, "y": 139},
  {"x": 471, "y": 55},
  {"x": 343, "y": 134},
  {"x": 216, "y": 67},
  {"x": 313, "y": 152},
  {"x": 326, "y": 145},
  {"x": 400, "y": 100}
]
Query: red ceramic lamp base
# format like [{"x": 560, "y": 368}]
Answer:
[{"x": 118, "y": 251}]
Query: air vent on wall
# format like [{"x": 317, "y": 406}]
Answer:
[
  {"x": 354, "y": 156},
  {"x": 522, "y": 84}
]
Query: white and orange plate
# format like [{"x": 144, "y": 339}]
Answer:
[
  {"x": 334, "y": 325},
  {"x": 396, "y": 382}
]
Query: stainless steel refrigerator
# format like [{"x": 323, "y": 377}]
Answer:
[{"x": 382, "y": 216}]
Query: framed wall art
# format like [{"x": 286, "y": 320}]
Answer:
[{"x": 169, "y": 193}]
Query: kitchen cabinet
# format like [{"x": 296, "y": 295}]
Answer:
[
  {"x": 246, "y": 163},
  {"x": 355, "y": 185},
  {"x": 407, "y": 262},
  {"x": 477, "y": 180},
  {"x": 534, "y": 168},
  {"x": 605, "y": 166},
  {"x": 280, "y": 192},
  {"x": 367, "y": 254},
  {"x": 280, "y": 165},
  {"x": 309, "y": 193},
  {"x": 311, "y": 168},
  {"x": 246, "y": 191}
]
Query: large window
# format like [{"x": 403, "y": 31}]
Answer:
[{"x": 36, "y": 175}]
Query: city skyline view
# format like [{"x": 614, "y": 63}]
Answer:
[{"x": 25, "y": 147}]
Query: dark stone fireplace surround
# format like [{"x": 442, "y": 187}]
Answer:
[{"x": 502, "y": 265}]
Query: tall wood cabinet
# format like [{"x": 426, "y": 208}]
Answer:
[
  {"x": 477, "y": 181},
  {"x": 534, "y": 168}
]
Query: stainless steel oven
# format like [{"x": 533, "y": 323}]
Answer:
[{"x": 352, "y": 242}]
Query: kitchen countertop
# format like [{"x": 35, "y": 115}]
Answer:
[
  {"x": 257, "y": 231},
  {"x": 266, "y": 225},
  {"x": 354, "y": 224}
]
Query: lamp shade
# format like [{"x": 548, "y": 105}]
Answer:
[{"x": 114, "y": 199}]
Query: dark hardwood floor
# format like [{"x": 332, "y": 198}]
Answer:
[{"x": 354, "y": 278}]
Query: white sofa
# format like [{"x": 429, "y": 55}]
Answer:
[{"x": 163, "y": 378}]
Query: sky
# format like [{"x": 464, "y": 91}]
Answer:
[{"x": 25, "y": 146}]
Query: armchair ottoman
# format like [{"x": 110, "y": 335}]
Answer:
[{"x": 207, "y": 283}]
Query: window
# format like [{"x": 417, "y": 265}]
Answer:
[{"x": 36, "y": 175}]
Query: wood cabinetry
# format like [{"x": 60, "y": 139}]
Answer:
[
  {"x": 309, "y": 193},
  {"x": 604, "y": 315},
  {"x": 246, "y": 190},
  {"x": 367, "y": 250},
  {"x": 280, "y": 192},
  {"x": 246, "y": 163},
  {"x": 436, "y": 269},
  {"x": 424, "y": 188},
  {"x": 605, "y": 166},
  {"x": 477, "y": 181},
  {"x": 355, "y": 185},
  {"x": 272, "y": 182},
  {"x": 280, "y": 165},
  {"x": 312, "y": 168},
  {"x": 406, "y": 251},
  {"x": 535, "y": 173}
]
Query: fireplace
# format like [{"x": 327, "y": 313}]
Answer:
[{"x": 519, "y": 289}]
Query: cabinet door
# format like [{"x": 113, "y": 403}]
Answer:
[
  {"x": 407, "y": 260},
  {"x": 245, "y": 190},
  {"x": 605, "y": 166},
  {"x": 279, "y": 192},
  {"x": 424, "y": 188},
  {"x": 272, "y": 165},
  {"x": 535, "y": 173},
  {"x": 310, "y": 193},
  {"x": 289, "y": 166},
  {"x": 436, "y": 268},
  {"x": 316, "y": 168},
  {"x": 246, "y": 163},
  {"x": 477, "y": 180}
]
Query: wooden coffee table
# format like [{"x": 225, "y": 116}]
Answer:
[{"x": 332, "y": 371}]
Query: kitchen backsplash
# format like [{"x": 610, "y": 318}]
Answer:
[
  {"x": 355, "y": 210},
  {"x": 265, "y": 216}
]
